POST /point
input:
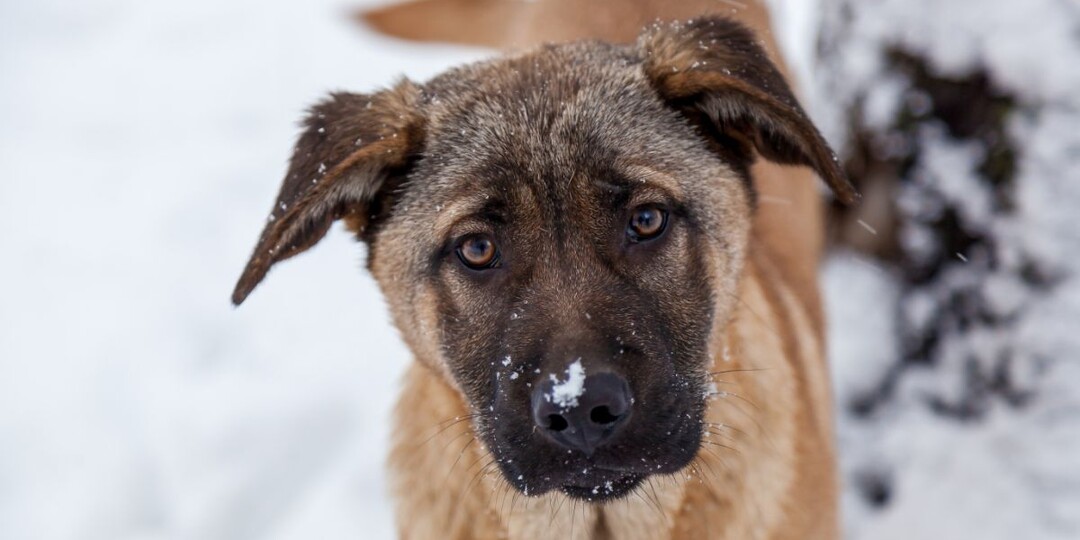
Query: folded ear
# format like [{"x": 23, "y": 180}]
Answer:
[
  {"x": 714, "y": 70},
  {"x": 350, "y": 146}
]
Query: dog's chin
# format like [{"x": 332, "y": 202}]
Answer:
[
  {"x": 598, "y": 482},
  {"x": 605, "y": 486},
  {"x": 591, "y": 484}
]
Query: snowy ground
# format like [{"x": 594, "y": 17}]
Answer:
[
  {"x": 979, "y": 433},
  {"x": 140, "y": 146}
]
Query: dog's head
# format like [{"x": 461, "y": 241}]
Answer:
[{"x": 559, "y": 234}]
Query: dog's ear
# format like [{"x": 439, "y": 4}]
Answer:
[
  {"x": 350, "y": 146},
  {"x": 713, "y": 69}
]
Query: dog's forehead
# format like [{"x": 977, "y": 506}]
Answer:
[
  {"x": 540, "y": 78},
  {"x": 544, "y": 118},
  {"x": 536, "y": 107}
]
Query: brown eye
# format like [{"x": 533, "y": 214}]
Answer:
[
  {"x": 478, "y": 252},
  {"x": 646, "y": 223}
]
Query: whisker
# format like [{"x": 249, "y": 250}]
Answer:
[
  {"x": 480, "y": 475},
  {"x": 573, "y": 512},
  {"x": 513, "y": 502},
  {"x": 457, "y": 504},
  {"x": 709, "y": 466},
  {"x": 694, "y": 472},
  {"x": 701, "y": 474},
  {"x": 723, "y": 394},
  {"x": 508, "y": 492},
  {"x": 722, "y": 425},
  {"x": 562, "y": 499},
  {"x": 447, "y": 424},
  {"x": 653, "y": 504},
  {"x": 738, "y": 370},
  {"x": 456, "y": 461},
  {"x": 736, "y": 450},
  {"x": 712, "y": 452},
  {"x": 722, "y": 382},
  {"x": 761, "y": 429},
  {"x": 727, "y": 436},
  {"x": 637, "y": 493},
  {"x": 456, "y": 437},
  {"x": 477, "y": 460},
  {"x": 659, "y": 505}
]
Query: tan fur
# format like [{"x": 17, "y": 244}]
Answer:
[{"x": 765, "y": 468}]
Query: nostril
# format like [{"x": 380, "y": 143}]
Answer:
[
  {"x": 602, "y": 415},
  {"x": 557, "y": 423},
  {"x": 603, "y": 406}
]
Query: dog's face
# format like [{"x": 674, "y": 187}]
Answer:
[
  {"x": 560, "y": 235},
  {"x": 563, "y": 213}
]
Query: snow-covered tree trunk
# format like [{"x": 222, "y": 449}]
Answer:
[{"x": 954, "y": 290}]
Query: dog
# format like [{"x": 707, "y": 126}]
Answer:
[{"x": 602, "y": 254}]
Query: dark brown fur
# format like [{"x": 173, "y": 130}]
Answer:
[{"x": 548, "y": 151}]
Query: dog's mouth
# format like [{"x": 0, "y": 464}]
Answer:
[
  {"x": 587, "y": 480},
  {"x": 536, "y": 465},
  {"x": 603, "y": 485}
]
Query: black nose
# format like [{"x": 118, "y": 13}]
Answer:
[{"x": 582, "y": 418}]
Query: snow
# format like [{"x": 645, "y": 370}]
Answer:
[
  {"x": 565, "y": 394},
  {"x": 140, "y": 147},
  {"x": 857, "y": 364},
  {"x": 1011, "y": 469}
]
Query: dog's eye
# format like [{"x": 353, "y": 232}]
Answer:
[
  {"x": 646, "y": 223},
  {"x": 478, "y": 252}
]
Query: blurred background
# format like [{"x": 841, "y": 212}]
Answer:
[{"x": 142, "y": 142}]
